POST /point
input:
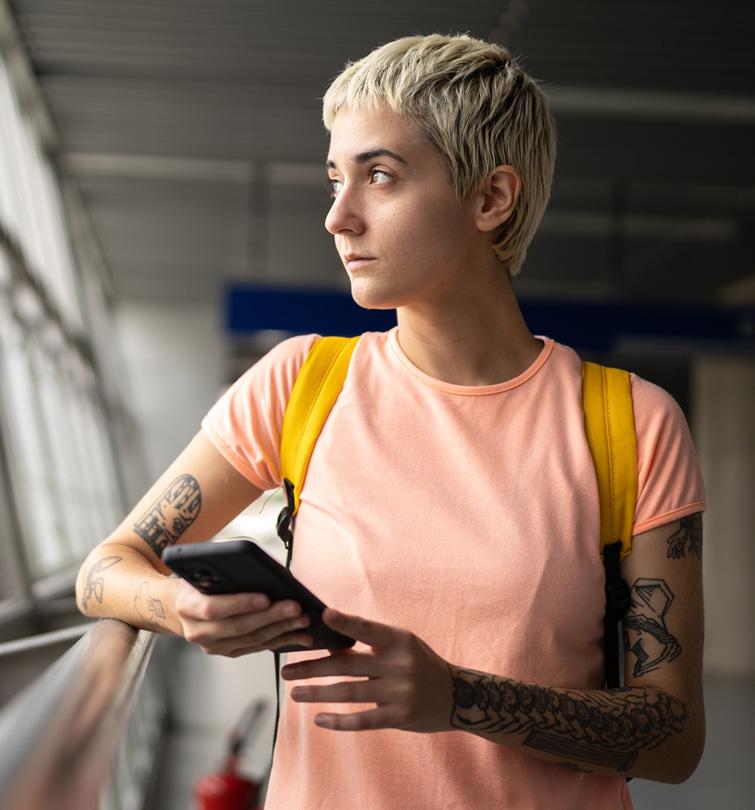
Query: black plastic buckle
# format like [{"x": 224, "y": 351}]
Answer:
[
  {"x": 284, "y": 527},
  {"x": 285, "y": 530}
]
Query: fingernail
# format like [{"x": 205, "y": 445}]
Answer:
[{"x": 291, "y": 610}]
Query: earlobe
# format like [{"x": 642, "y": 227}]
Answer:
[{"x": 499, "y": 195}]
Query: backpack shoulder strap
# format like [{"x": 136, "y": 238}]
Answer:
[
  {"x": 315, "y": 391},
  {"x": 609, "y": 426},
  {"x": 317, "y": 386}
]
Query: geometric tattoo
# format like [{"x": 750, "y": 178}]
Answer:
[
  {"x": 95, "y": 587},
  {"x": 171, "y": 515},
  {"x": 689, "y": 537},
  {"x": 607, "y": 728},
  {"x": 147, "y": 607},
  {"x": 645, "y": 631}
]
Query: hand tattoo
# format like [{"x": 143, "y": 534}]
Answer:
[
  {"x": 146, "y": 606},
  {"x": 645, "y": 632},
  {"x": 96, "y": 587},
  {"x": 602, "y": 728},
  {"x": 171, "y": 515},
  {"x": 688, "y": 537}
]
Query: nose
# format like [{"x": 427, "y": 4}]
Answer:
[{"x": 344, "y": 214}]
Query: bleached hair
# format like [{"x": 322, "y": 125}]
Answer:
[{"x": 475, "y": 105}]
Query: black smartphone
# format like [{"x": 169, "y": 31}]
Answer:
[{"x": 241, "y": 566}]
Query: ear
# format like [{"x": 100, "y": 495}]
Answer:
[{"x": 497, "y": 197}]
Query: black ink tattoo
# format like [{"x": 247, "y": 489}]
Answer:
[
  {"x": 554, "y": 744},
  {"x": 146, "y": 606},
  {"x": 645, "y": 632},
  {"x": 96, "y": 586},
  {"x": 602, "y": 728},
  {"x": 171, "y": 515},
  {"x": 688, "y": 538},
  {"x": 572, "y": 766}
]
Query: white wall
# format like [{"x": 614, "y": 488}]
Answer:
[
  {"x": 724, "y": 423},
  {"x": 174, "y": 367}
]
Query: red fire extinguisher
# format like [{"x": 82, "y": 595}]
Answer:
[{"x": 227, "y": 789}]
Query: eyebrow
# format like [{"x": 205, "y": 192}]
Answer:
[{"x": 363, "y": 157}]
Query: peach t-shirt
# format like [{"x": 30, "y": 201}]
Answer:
[{"x": 468, "y": 515}]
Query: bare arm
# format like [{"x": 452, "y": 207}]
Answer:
[
  {"x": 653, "y": 728},
  {"x": 124, "y": 578}
]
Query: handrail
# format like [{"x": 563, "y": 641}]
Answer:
[
  {"x": 59, "y": 737},
  {"x": 42, "y": 640}
]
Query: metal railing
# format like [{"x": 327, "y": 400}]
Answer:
[{"x": 59, "y": 738}]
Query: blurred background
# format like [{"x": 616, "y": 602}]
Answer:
[{"x": 162, "y": 197}]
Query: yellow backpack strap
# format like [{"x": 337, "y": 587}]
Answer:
[
  {"x": 609, "y": 425},
  {"x": 314, "y": 393}
]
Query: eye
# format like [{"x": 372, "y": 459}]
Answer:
[
  {"x": 334, "y": 186},
  {"x": 373, "y": 172},
  {"x": 331, "y": 186}
]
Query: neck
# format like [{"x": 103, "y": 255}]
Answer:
[{"x": 476, "y": 336}]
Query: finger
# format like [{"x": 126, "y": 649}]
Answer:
[
  {"x": 356, "y": 721},
  {"x": 282, "y": 617},
  {"x": 372, "y": 633},
  {"x": 356, "y": 664},
  {"x": 206, "y": 607},
  {"x": 286, "y": 640},
  {"x": 234, "y": 634},
  {"x": 366, "y": 691}
]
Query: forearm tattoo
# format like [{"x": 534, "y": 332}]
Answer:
[
  {"x": 646, "y": 635},
  {"x": 687, "y": 538},
  {"x": 598, "y": 728},
  {"x": 171, "y": 515},
  {"x": 146, "y": 606},
  {"x": 95, "y": 586}
]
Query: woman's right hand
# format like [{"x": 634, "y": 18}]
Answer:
[{"x": 239, "y": 623}]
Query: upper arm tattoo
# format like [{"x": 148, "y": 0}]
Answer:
[
  {"x": 95, "y": 586},
  {"x": 171, "y": 514},
  {"x": 645, "y": 632},
  {"x": 688, "y": 537}
]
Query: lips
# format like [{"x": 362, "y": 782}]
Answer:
[{"x": 355, "y": 257}]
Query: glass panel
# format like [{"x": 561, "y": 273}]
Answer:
[
  {"x": 57, "y": 439},
  {"x": 27, "y": 453},
  {"x": 9, "y": 204}
]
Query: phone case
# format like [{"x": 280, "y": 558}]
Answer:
[{"x": 238, "y": 566}]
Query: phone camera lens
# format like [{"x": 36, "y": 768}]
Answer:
[{"x": 205, "y": 578}]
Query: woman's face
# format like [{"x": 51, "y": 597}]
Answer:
[{"x": 395, "y": 206}]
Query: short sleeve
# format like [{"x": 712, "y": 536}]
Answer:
[
  {"x": 670, "y": 484},
  {"x": 245, "y": 424}
]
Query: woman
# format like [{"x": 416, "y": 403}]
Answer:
[{"x": 450, "y": 508}]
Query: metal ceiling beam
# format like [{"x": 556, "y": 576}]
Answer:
[
  {"x": 652, "y": 106},
  {"x": 157, "y": 167}
]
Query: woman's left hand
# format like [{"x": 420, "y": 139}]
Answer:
[{"x": 409, "y": 683}]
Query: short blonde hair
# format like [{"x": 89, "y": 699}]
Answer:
[{"x": 475, "y": 105}]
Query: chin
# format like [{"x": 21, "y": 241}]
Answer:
[{"x": 372, "y": 297}]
